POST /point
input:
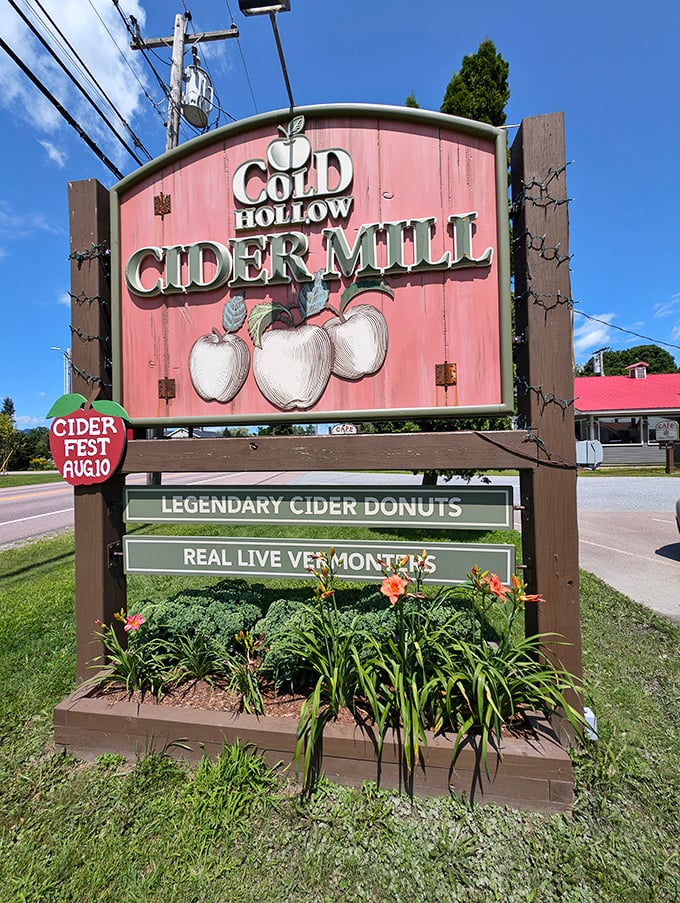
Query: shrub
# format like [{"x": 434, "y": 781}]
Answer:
[{"x": 217, "y": 612}]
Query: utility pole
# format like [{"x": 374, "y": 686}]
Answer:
[{"x": 177, "y": 41}]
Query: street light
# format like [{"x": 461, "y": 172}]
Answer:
[
  {"x": 67, "y": 368},
  {"x": 271, "y": 8},
  {"x": 263, "y": 7}
]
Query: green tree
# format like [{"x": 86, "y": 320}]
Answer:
[
  {"x": 35, "y": 446},
  {"x": 10, "y": 440},
  {"x": 615, "y": 362},
  {"x": 480, "y": 89},
  {"x": 412, "y": 102},
  {"x": 8, "y": 408}
]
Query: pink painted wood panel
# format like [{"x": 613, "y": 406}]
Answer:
[{"x": 401, "y": 171}]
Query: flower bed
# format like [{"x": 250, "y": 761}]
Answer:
[{"x": 421, "y": 694}]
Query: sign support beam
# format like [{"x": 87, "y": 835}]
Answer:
[{"x": 546, "y": 383}]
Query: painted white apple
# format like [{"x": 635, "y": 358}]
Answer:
[
  {"x": 218, "y": 366},
  {"x": 293, "y": 366},
  {"x": 359, "y": 340},
  {"x": 286, "y": 154}
]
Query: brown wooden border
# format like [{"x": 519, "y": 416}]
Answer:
[{"x": 533, "y": 774}]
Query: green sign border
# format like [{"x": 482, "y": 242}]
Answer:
[{"x": 324, "y": 505}]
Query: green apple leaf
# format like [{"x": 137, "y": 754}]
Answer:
[
  {"x": 234, "y": 314},
  {"x": 67, "y": 404},
  {"x": 295, "y": 126},
  {"x": 364, "y": 285},
  {"x": 110, "y": 407},
  {"x": 313, "y": 296},
  {"x": 262, "y": 316}
]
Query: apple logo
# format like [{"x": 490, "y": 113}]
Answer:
[
  {"x": 292, "y": 150},
  {"x": 219, "y": 364},
  {"x": 292, "y": 365},
  {"x": 359, "y": 336}
]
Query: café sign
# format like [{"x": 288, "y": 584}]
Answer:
[{"x": 350, "y": 261}]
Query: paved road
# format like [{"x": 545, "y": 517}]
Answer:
[{"x": 627, "y": 532}]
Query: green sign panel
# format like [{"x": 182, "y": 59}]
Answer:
[
  {"x": 459, "y": 508},
  {"x": 245, "y": 557}
]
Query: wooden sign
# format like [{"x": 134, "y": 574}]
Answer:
[{"x": 348, "y": 263}]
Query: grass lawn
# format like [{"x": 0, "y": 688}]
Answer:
[
  {"x": 29, "y": 479},
  {"x": 155, "y": 831}
]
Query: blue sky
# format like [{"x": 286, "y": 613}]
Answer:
[{"x": 611, "y": 67}]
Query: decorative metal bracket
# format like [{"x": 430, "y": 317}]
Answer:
[
  {"x": 162, "y": 204},
  {"x": 115, "y": 555}
]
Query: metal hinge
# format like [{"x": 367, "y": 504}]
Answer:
[
  {"x": 445, "y": 374},
  {"x": 167, "y": 388}
]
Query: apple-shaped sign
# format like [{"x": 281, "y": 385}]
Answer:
[
  {"x": 219, "y": 364},
  {"x": 359, "y": 336},
  {"x": 292, "y": 150},
  {"x": 87, "y": 444}
]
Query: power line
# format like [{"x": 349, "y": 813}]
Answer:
[
  {"x": 66, "y": 115},
  {"x": 75, "y": 81},
  {"x": 137, "y": 141},
  {"x": 243, "y": 61},
  {"x": 637, "y": 335},
  {"x": 154, "y": 104}
]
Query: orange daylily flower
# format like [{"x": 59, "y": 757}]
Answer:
[
  {"x": 393, "y": 587},
  {"x": 496, "y": 587}
]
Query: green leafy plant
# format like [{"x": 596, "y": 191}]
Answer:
[
  {"x": 498, "y": 683},
  {"x": 244, "y": 672},
  {"x": 226, "y": 791},
  {"x": 327, "y": 646},
  {"x": 402, "y": 679},
  {"x": 142, "y": 665},
  {"x": 197, "y": 658},
  {"x": 217, "y": 612}
]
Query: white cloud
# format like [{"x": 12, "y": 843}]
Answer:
[
  {"x": 54, "y": 154},
  {"x": 98, "y": 34},
  {"x": 668, "y": 308},
  {"x": 15, "y": 225},
  {"x": 24, "y": 422},
  {"x": 64, "y": 298},
  {"x": 589, "y": 335}
]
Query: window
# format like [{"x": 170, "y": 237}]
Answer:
[{"x": 617, "y": 431}]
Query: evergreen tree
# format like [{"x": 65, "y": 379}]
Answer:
[
  {"x": 8, "y": 408},
  {"x": 480, "y": 89},
  {"x": 412, "y": 102}
]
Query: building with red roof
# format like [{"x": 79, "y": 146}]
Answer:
[{"x": 623, "y": 413}]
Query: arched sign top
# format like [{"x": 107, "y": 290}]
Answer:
[{"x": 340, "y": 262}]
